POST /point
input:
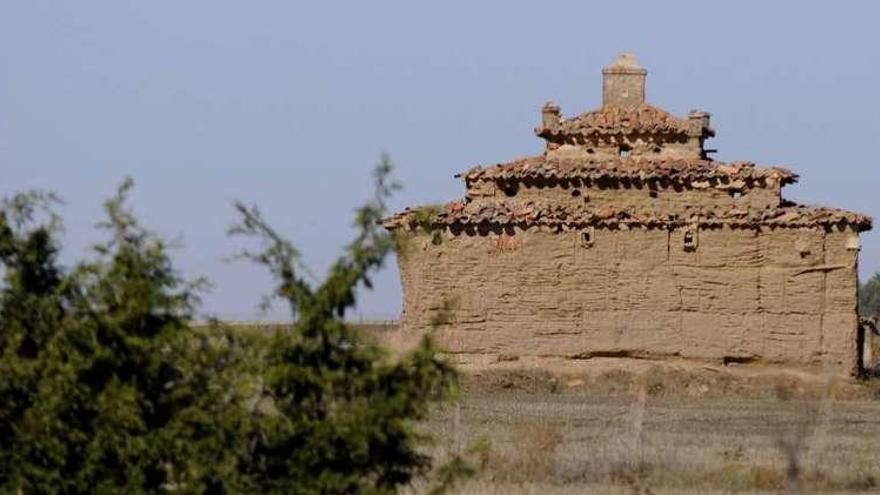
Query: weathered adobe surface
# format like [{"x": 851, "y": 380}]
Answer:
[
  {"x": 662, "y": 184},
  {"x": 513, "y": 279},
  {"x": 634, "y": 197},
  {"x": 661, "y": 198},
  {"x": 741, "y": 295},
  {"x": 624, "y": 240}
]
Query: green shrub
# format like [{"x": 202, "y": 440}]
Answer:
[
  {"x": 106, "y": 388},
  {"x": 343, "y": 410}
]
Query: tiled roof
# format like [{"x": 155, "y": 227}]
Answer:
[
  {"x": 615, "y": 120},
  {"x": 789, "y": 215},
  {"x": 640, "y": 168}
]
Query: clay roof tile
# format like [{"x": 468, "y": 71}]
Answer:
[
  {"x": 789, "y": 215},
  {"x": 615, "y": 120},
  {"x": 642, "y": 168}
]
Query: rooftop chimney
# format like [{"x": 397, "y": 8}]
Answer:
[
  {"x": 550, "y": 115},
  {"x": 623, "y": 82}
]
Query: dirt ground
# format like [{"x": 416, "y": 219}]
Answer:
[{"x": 647, "y": 428}]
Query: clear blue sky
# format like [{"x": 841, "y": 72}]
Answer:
[{"x": 288, "y": 104}]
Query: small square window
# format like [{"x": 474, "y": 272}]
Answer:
[
  {"x": 588, "y": 237},
  {"x": 690, "y": 240},
  {"x": 853, "y": 243}
]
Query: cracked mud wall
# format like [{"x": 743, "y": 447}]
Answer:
[
  {"x": 637, "y": 196},
  {"x": 783, "y": 295}
]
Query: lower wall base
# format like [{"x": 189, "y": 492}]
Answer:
[{"x": 784, "y": 296}]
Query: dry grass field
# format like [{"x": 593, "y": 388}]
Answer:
[
  {"x": 621, "y": 426},
  {"x": 662, "y": 431}
]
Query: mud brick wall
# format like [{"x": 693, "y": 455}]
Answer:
[
  {"x": 784, "y": 295},
  {"x": 636, "y": 197}
]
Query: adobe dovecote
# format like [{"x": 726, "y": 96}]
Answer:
[{"x": 623, "y": 238}]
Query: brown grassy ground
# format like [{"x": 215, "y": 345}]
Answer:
[
  {"x": 662, "y": 431},
  {"x": 629, "y": 426}
]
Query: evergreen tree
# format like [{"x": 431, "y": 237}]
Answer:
[
  {"x": 109, "y": 390},
  {"x": 343, "y": 412},
  {"x": 32, "y": 308},
  {"x": 106, "y": 387}
]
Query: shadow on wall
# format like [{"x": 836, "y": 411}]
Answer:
[{"x": 869, "y": 346}]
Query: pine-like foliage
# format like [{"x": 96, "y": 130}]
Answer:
[
  {"x": 105, "y": 387},
  {"x": 869, "y": 297},
  {"x": 342, "y": 412},
  {"x": 33, "y": 297}
]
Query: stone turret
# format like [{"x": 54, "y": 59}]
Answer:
[{"x": 623, "y": 82}]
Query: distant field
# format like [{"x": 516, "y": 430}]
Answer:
[
  {"x": 614, "y": 434},
  {"x": 373, "y": 327}
]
